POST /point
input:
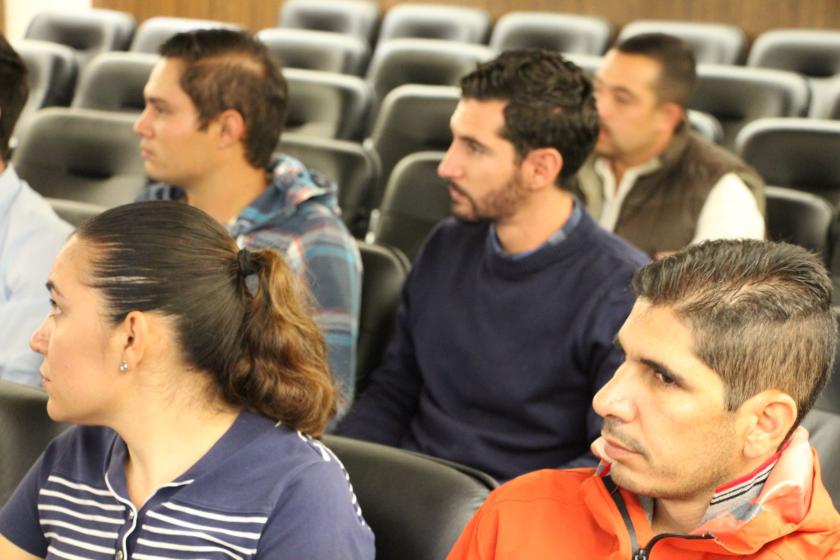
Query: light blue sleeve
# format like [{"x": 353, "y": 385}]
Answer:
[{"x": 31, "y": 239}]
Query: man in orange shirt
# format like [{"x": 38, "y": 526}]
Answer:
[{"x": 726, "y": 349}]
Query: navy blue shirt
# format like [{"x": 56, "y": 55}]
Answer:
[
  {"x": 261, "y": 492},
  {"x": 496, "y": 358}
]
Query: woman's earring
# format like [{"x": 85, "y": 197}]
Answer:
[{"x": 123, "y": 366}]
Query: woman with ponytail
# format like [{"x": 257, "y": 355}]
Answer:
[{"x": 199, "y": 380}]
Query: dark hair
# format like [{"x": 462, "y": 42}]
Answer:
[
  {"x": 549, "y": 103},
  {"x": 676, "y": 61},
  {"x": 760, "y": 313},
  {"x": 228, "y": 69},
  {"x": 13, "y": 93},
  {"x": 263, "y": 350}
]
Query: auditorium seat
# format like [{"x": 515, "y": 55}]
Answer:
[
  {"x": 824, "y": 428},
  {"x": 25, "y": 431},
  {"x": 798, "y": 217},
  {"x": 74, "y": 212},
  {"x": 85, "y": 155},
  {"x": 415, "y": 200},
  {"x": 828, "y": 107},
  {"x": 435, "y": 21},
  {"x": 326, "y": 105},
  {"x": 706, "y": 125},
  {"x": 712, "y": 43},
  {"x": 384, "y": 270},
  {"x": 114, "y": 82},
  {"x": 88, "y": 32},
  {"x": 351, "y": 17},
  {"x": 799, "y": 153},
  {"x": 416, "y": 505},
  {"x": 810, "y": 52},
  {"x": 829, "y": 399},
  {"x": 567, "y": 33},
  {"x": 317, "y": 50},
  {"x": 738, "y": 95},
  {"x": 413, "y": 118},
  {"x": 51, "y": 75},
  {"x": 422, "y": 61},
  {"x": 589, "y": 63},
  {"x": 354, "y": 169},
  {"x": 154, "y": 32}
]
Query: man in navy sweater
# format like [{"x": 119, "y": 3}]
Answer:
[{"x": 507, "y": 320}]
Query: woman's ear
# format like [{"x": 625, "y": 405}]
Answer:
[{"x": 132, "y": 338}]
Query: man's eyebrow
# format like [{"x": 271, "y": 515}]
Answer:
[
  {"x": 470, "y": 140},
  {"x": 51, "y": 287},
  {"x": 664, "y": 370},
  {"x": 155, "y": 99},
  {"x": 617, "y": 344},
  {"x": 624, "y": 90}
]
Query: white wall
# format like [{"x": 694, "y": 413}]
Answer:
[{"x": 19, "y": 12}]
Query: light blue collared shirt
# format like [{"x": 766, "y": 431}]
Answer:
[{"x": 30, "y": 236}]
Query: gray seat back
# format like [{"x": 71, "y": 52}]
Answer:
[
  {"x": 798, "y": 153},
  {"x": 798, "y": 217},
  {"x": 422, "y": 61},
  {"x": 824, "y": 427},
  {"x": 25, "y": 431},
  {"x": 326, "y": 105},
  {"x": 317, "y": 50},
  {"x": 706, "y": 125},
  {"x": 712, "y": 43},
  {"x": 417, "y": 506},
  {"x": 155, "y": 31},
  {"x": 567, "y": 33},
  {"x": 85, "y": 155},
  {"x": 114, "y": 82},
  {"x": 74, "y": 212},
  {"x": 415, "y": 200},
  {"x": 810, "y": 52},
  {"x": 51, "y": 75},
  {"x": 384, "y": 270},
  {"x": 412, "y": 118},
  {"x": 434, "y": 21},
  {"x": 738, "y": 95},
  {"x": 351, "y": 17},
  {"x": 88, "y": 32}
]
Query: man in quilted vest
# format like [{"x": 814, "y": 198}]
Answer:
[{"x": 651, "y": 180}]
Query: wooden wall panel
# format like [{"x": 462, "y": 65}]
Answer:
[{"x": 753, "y": 16}]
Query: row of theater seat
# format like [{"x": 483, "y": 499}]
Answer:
[
  {"x": 93, "y": 157},
  {"x": 101, "y": 30},
  {"x": 315, "y": 35}
]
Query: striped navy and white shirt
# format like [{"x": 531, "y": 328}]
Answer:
[{"x": 261, "y": 492}]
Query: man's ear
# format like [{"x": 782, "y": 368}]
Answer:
[
  {"x": 769, "y": 417},
  {"x": 671, "y": 114},
  {"x": 231, "y": 127},
  {"x": 133, "y": 336},
  {"x": 542, "y": 167}
]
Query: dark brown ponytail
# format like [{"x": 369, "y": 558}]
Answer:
[
  {"x": 283, "y": 372},
  {"x": 241, "y": 317}
]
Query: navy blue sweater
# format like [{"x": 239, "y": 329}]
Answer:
[{"x": 494, "y": 361}]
